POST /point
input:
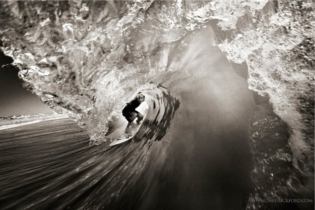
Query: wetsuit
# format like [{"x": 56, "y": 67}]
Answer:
[{"x": 129, "y": 108}]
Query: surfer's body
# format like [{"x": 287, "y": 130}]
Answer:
[{"x": 130, "y": 112}]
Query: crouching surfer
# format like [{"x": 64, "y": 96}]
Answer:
[{"x": 130, "y": 112}]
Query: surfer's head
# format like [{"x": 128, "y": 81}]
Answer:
[{"x": 140, "y": 97}]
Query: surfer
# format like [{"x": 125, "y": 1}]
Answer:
[{"x": 130, "y": 112}]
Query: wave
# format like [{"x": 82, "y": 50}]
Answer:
[{"x": 85, "y": 59}]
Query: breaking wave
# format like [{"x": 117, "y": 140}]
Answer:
[{"x": 87, "y": 58}]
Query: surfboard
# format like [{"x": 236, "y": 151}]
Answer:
[{"x": 130, "y": 132}]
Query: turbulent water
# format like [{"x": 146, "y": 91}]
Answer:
[{"x": 87, "y": 58}]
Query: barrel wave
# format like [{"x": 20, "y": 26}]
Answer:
[
  {"x": 188, "y": 128},
  {"x": 86, "y": 59}
]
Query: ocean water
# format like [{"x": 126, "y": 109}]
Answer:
[
  {"x": 191, "y": 152},
  {"x": 86, "y": 59}
]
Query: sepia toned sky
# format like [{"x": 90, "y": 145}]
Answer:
[{"x": 14, "y": 99}]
